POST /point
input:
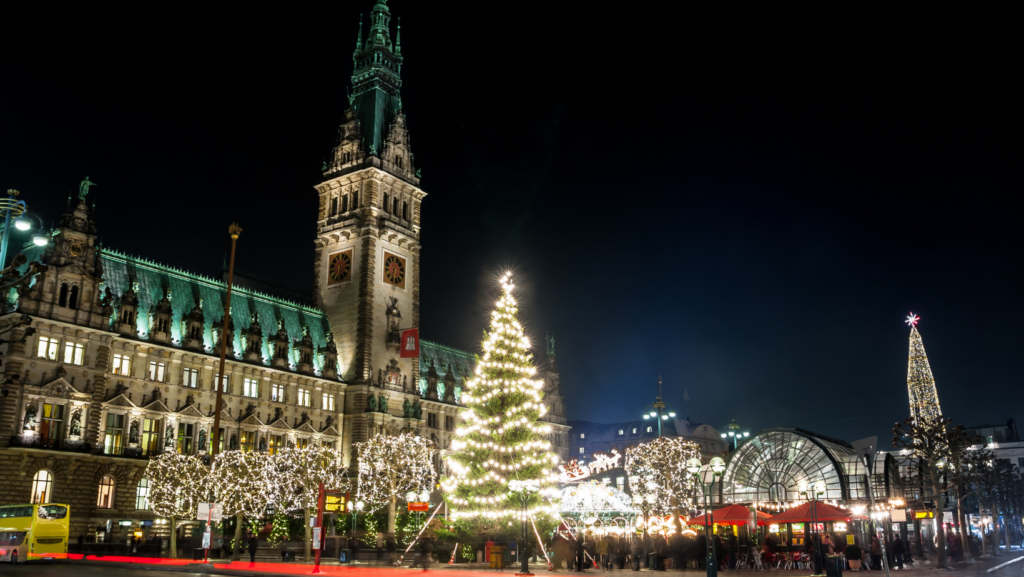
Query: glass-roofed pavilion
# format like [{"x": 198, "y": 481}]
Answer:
[{"x": 770, "y": 466}]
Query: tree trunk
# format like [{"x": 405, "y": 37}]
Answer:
[
  {"x": 309, "y": 535},
  {"x": 940, "y": 532},
  {"x": 236, "y": 550},
  {"x": 1006, "y": 535},
  {"x": 965, "y": 534},
  {"x": 391, "y": 516},
  {"x": 174, "y": 537},
  {"x": 984, "y": 539}
]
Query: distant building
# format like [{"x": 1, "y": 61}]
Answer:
[
  {"x": 587, "y": 438},
  {"x": 1002, "y": 440}
]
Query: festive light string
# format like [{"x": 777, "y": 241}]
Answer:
[
  {"x": 391, "y": 465},
  {"x": 497, "y": 440},
  {"x": 177, "y": 484},
  {"x": 659, "y": 467},
  {"x": 924, "y": 398}
]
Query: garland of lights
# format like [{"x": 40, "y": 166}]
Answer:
[
  {"x": 924, "y": 399},
  {"x": 177, "y": 484},
  {"x": 294, "y": 476},
  {"x": 243, "y": 483},
  {"x": 390, "y": 466},
  {"x": 499, "y": 439},
  {"x": 662, "y": 482}
]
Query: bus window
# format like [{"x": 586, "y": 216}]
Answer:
[
  {"x": 12, "y": 538},
  {"x": 52, "y": 512},
  {"x": 19, "y": 511}
]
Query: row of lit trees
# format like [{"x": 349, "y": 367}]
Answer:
[{"x": 953, "y": 462}]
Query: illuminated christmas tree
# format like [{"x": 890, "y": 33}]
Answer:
[
  {"x": 499, "y": 440},
  {"x": 924, "y": 399}
]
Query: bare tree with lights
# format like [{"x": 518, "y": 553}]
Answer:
[
  {"x": 294, "y": 478},
  {"x": 661, "y": 464},
  {"x": 962, "y": 466},
  {"x": 391, "y": 465},
  {"x": 177, "y": 484},
  {"x": 242, "y": 483}
]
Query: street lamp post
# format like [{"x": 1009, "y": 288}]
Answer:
[
  {"x": 354, "y": 516},
  {"x": 524, "y": 488},
  {"x": 15, "y": 211},
  {"x": 659, "y": 407},
  {"x": 812, "y": 491},
  {"x": 707, "y": 475},
  {"x": 734, "y": 433}
]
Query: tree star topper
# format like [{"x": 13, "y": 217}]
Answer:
[{"x": 912, "y": 319}]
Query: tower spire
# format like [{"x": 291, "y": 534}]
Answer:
[
  {"x": 376, "y": 80},
  {"x": 924, "y": 398},
  {"x": 359, "y": 38},
  {"x": 398, "y": 37}
]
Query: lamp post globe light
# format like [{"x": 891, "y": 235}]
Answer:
[
  {"x": 354, "y": 515},
  {"x": 524, "y": 488},
  {"x": 16, "y": 214},
  {"x": 733, "y": 433},
  {"x": 659, "y": 414},
  {"x": 707, "y": 475},
  {"x": 812, "y": 492}
]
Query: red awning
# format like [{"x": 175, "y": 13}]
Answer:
[
  {"x": 802, "y": 514},
  {"x": 731, "y": 515}
]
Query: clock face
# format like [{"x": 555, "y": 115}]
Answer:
[
  {"x": 394, "y": 270},
  {"x": 75, "y": 248},
  {"x": 339, "y": 267}
]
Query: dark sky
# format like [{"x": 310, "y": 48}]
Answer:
[{"x": 748, "y": 204}]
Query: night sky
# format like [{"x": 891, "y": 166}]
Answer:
[{"x": 746, "y": 204}]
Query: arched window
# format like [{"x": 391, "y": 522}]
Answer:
[
  {"x": 105, "y": 499},
  {"x": 344, "y": 203},
  {"x": 649, "y": 429},
  {"x": 398, "y": 161},
  {"x": 334, "y": 206},
  {"x": 355, "y": 199},
  {"x": 386, "y": 202},
  {"x": 142, "y": 495},
  {"x": 405, "y": 210},
  {"x": 394, "y": 207},
  {"x": 62, "y": 300},
  {"x": 41, "y": 485},
  {"x": 73, "y": 299}
]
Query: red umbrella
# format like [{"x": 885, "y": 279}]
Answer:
[
  {"x": 731, "y": 515},
  {"x": 802, "y": 514}
]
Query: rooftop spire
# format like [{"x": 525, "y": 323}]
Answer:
[
  {"x": 376, "y": 80},
  {"x": 359, "y": 39},
  {"x": 398, "y": 37}
]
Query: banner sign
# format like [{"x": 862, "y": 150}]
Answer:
[
  {"x": 316, "y": 537},
  {"x": 410, "y": 343},
  {"x": 419, "y": 506}
]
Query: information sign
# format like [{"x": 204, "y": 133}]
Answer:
[
  {"x": 206, "y": 540},
  {"x": 316, "y": 537},
  {"x": 210, "y": 511},
  {"x": 419, "y": 506},
  {"x": 334, "y": 502}
]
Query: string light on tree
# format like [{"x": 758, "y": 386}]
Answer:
[
  {"x": 924, "y": 398},
  {"x": 177, "y": 484},
  {"x": 390, "y": 466},
  {"x": 499, "y": 440}
]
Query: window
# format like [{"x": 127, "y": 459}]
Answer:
[
  {"x": 185, "y": 434},
  {"x": 276, "y": 444},
  {"x": 150, "y": 436},
  {"x": 41, "y": 485},
  {"x": 105, "y": 500},
  {"x": 432, "y": 420},
  {"x": 226, "y": 388},
  {"x": 405, "y": 211},
  {"x": 620, "y": 482},
  {"x": 74, "y": 354},
  {"x": 328, "y": 402},
  {"x": 398, "y": 161},
  {"x": 582, "y": 450},
  {"x": 157, "y": 371},
  {"x": 112, "y": 435},
  {"x": 277, "y": 393},
  {"x": 620, "y": 431},
  {"x": 386, "y": 203},
  {"x": 301, "y": 443},
  {"x": 52, "y": 430},
  {"x": 988, "y": 440},
  {"x": 394, "y": 207},
  {"x": 62, "y": 299},
  {"x": 334, "y": 206},
  {"x": 251, "y": 388},
  {"x": 583, "y": 436},
  {"x": 355, "y": 199},
  {"x": 47, "y": 348},
  {"x": 190, "y": 378},
  {"x": 649, "y": 429},
  {"x": 248, "y": 441},
  {"x": 142, "y": 495},
  {"x": 73, "y": 299},
  {"x": 634, "y": 430},
  {"x": 122, "y": 364},
  {"x": 449, "y": 423},
  {"x": 1020, "y": 462},
  {"x": 304, "y": 397},
  {"x": 344, "y": 203},
  {"x": 607, "y": 480}
]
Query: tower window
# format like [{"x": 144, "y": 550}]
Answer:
[
  {"x": 63, "y": 299},
  {"x": 355, "y": 199},
  {"x": 394, "y": 207},
  {"x": 334, "y": 206},
  {"x": 344, "y": 203},
  {"x": 385, "y": 205},
  {"x": 73, "y": 299},
  {"x": 405, "y": 210},
  {"x": 398, "y": 161}
]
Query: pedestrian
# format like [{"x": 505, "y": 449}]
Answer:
[
  {"x": 602, "y": 552},
  {"x": 580, "y": 554},
  {"x": 826, "y": 544},
  {"x": 876, "y": 553},
  {"x": 897, "y": 551},
  {"x": 425, "y": 550},
  {"x": 283, "y": 548},
  {"x": 638, "y": 552},
  {"x": 253, "y": 543},
  {"x": 389, "y": 545}
]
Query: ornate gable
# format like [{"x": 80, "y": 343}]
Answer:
[
  {"x": 61, "y": 389},
  {"x": 119, "y": 401},
  {"x": 280, "y": 424},
  {"x": 331, "y": 432},
  {"x": 252, "y": 420},
  {"x": 190, "y": 411},
  {"x": 157, "y": 406},
  {"x": 305, "y": 428}
]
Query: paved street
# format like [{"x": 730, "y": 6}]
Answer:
[{"x": 96, "y": 569}]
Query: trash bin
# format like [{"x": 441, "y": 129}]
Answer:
[
  {"x": 497, "y": 557},
  {"x": 652, "y": 562},
  {"x": 833, "y": 566},
  {"x": 635, "y": 562},
  {"x": 345, "y": 556}
]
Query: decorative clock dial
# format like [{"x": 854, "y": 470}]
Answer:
[
  {"x": 394, "y": 270},
  {"x": 339, "y": 268}
]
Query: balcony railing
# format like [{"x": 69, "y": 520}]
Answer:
[{"x": 37, "y": 442}]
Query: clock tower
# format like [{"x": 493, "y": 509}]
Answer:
[{"x": 368, "y": 229}]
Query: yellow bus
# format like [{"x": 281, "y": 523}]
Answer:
[{"x": 34, "y": 532}]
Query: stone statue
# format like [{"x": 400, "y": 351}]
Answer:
[
  {"x": 169, "y": 437},
  {"x": 263, "y": 444},
  {"x": 202, "y": 440},
  {"x": 407, "y": 409},
  {"x": 551, "y": 346},
  {"x": 30, "y": 418},
  {"x": 233, "y": 445},
  {"x": 382, "y": 404},
  {"x": 371, "y": 404},
  {"x": 133, "y": 433},
  {"x": 330, "y": 422},
  {"x": 417, "y": 410},
  {"x": 76, "y": 424},
  {"x": 83, "y": 188}
]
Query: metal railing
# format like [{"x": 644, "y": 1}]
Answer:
[{"x": 36, "y": 442}]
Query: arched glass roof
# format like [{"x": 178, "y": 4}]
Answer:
[{"x": 771, "y": 465}]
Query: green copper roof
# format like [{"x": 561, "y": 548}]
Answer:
[
  {"x": 462, "y": 363},
  {"x": 119, "y": 270},
  {"x": 376, "y": 80}
]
